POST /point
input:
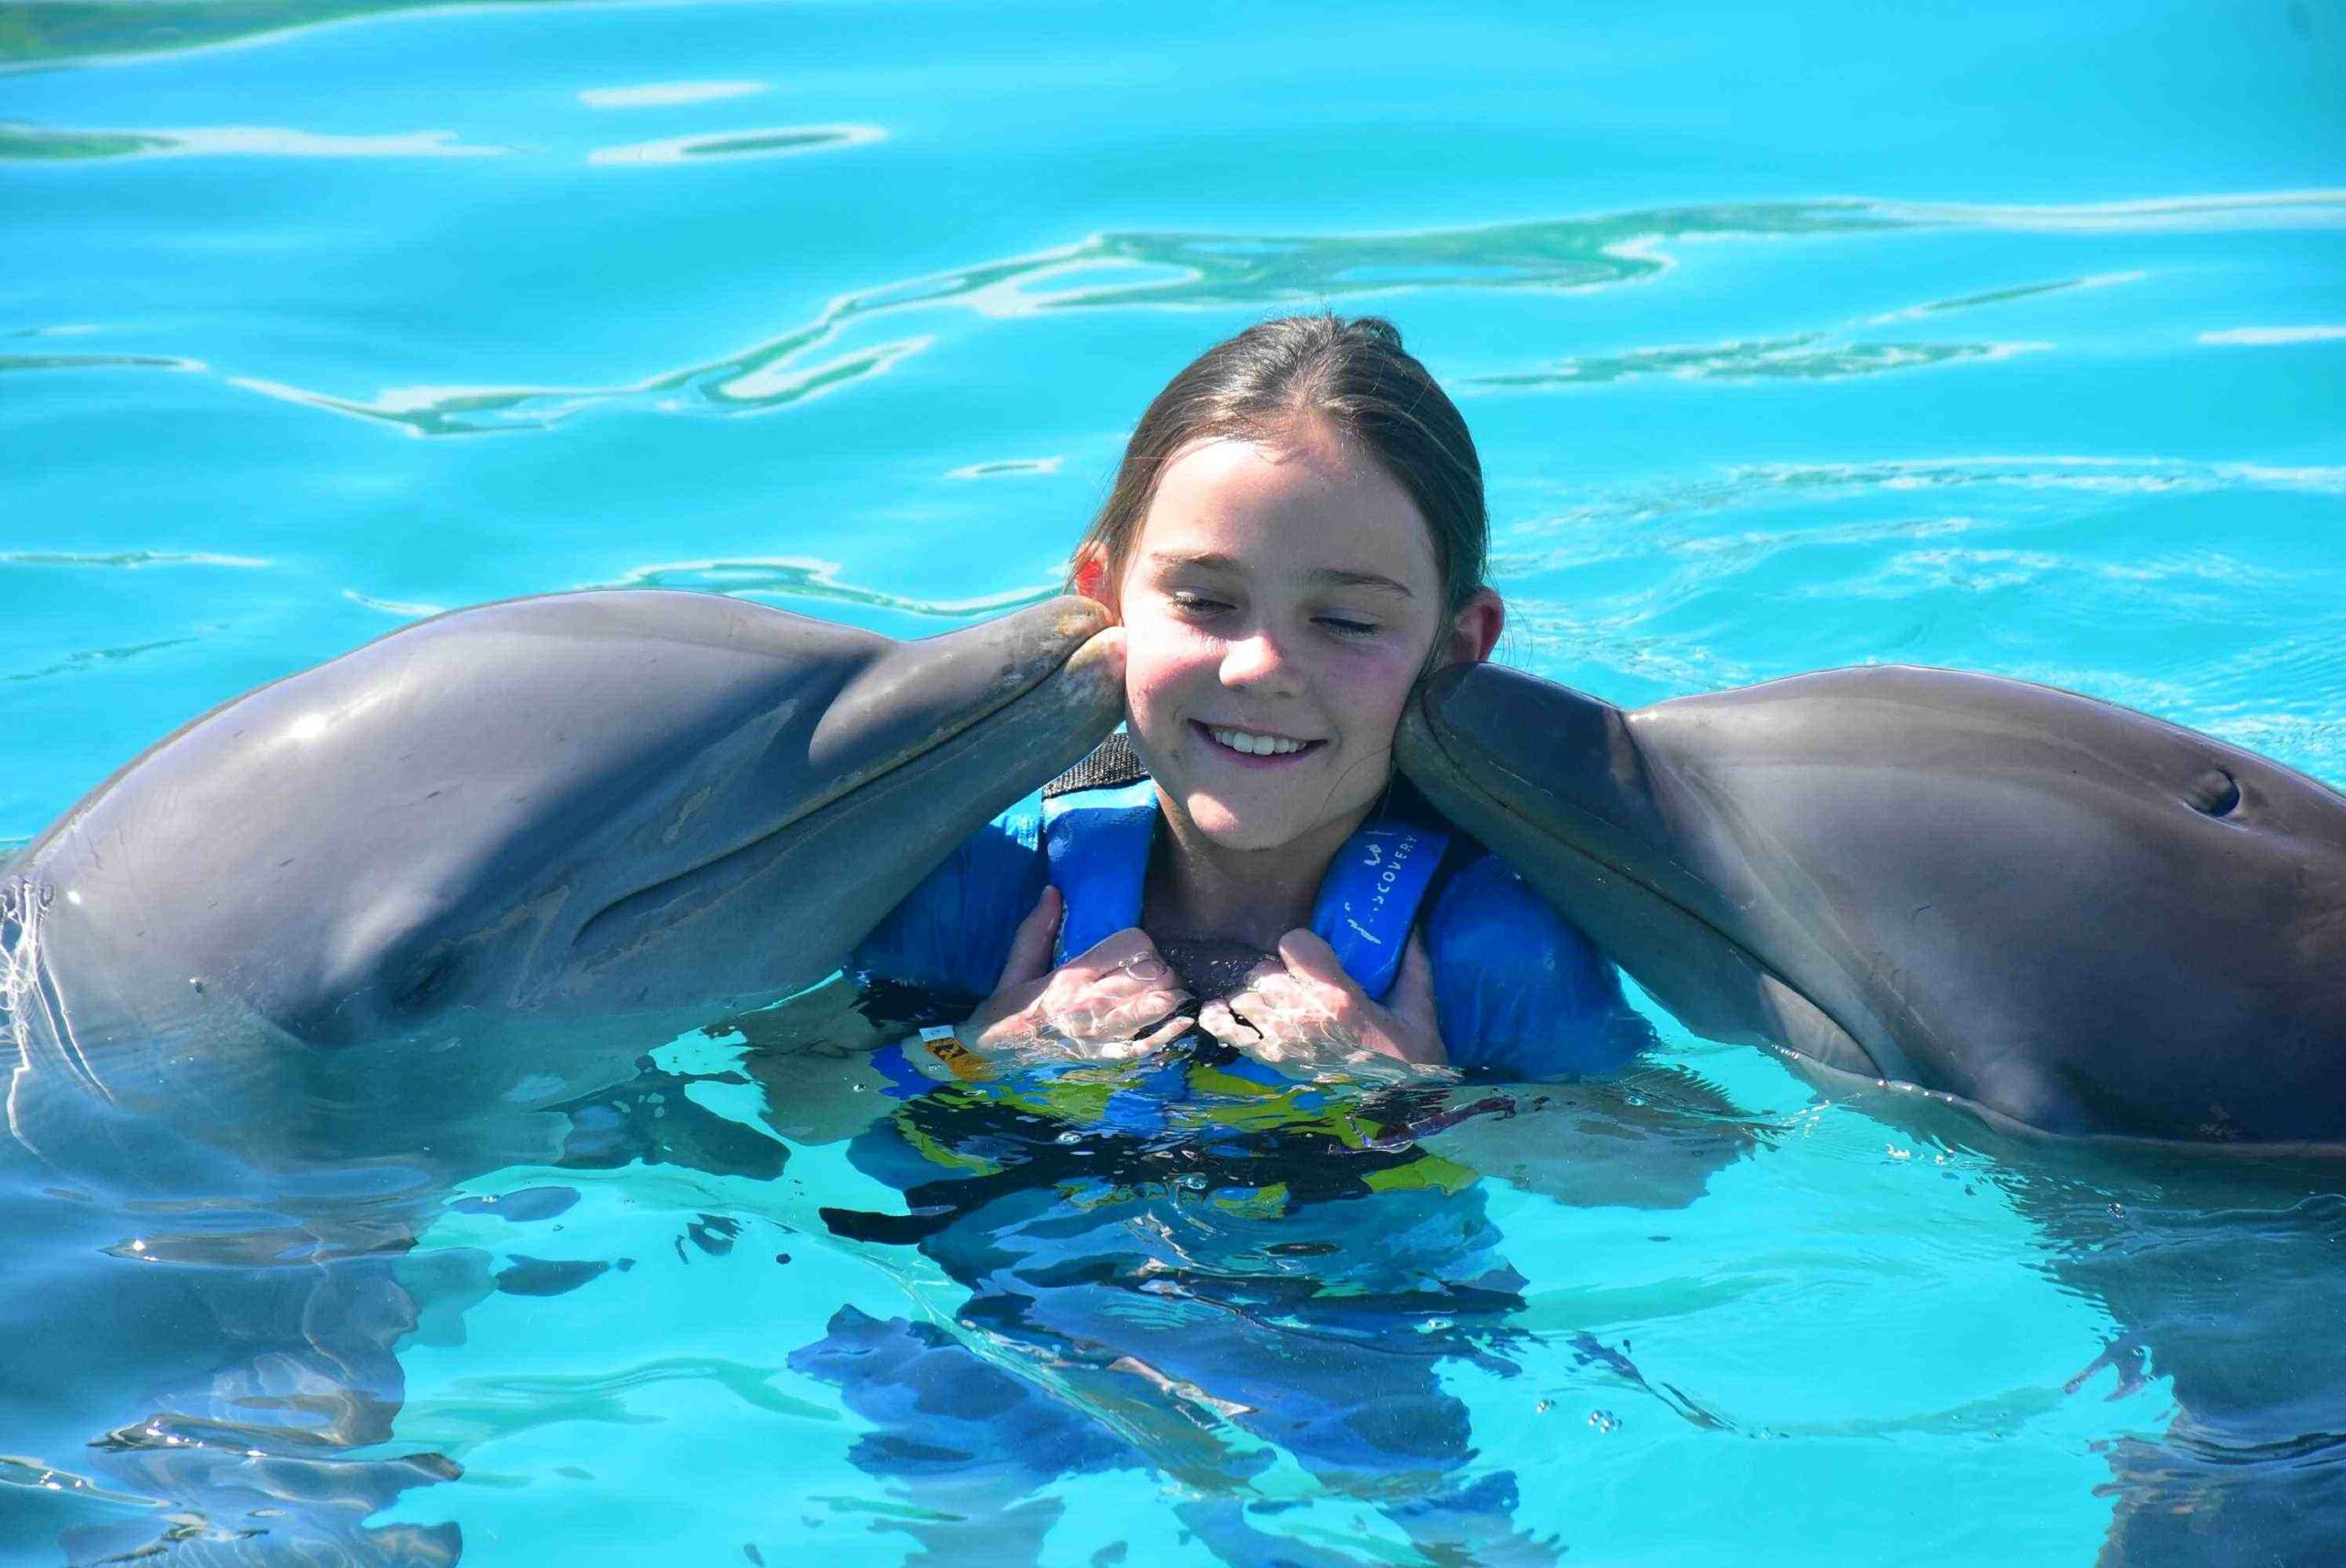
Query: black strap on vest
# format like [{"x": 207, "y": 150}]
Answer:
[{"x": 1111, "y": 765}]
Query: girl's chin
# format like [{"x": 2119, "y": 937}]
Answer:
[{"x": 1227, "y": 829}]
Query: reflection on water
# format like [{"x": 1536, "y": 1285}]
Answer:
[
  {"x": 250, "y": 1399},
  {"x": 817, "y": 580},
  {"x": 1128, "y": 270},
  {"x": 40, "y": 142},
  {"x": 667, "y": 94},
  {"x": 1202, "y": 1275},
  {"x": 230, "y": 141},
  {"x": 777, "y": 143},
  {"x": 37, "y": 32},
  {"x": 1808, "y": 356}
]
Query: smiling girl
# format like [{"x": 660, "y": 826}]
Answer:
[{"x": 1297, "y": 534}]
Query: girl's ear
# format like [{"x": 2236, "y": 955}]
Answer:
[
  {"x": 1089, "y": 576},
  {"x": 1474, "y": 631}
]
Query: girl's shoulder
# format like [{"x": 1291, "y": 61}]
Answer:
[
  {"x": 1518, "y": 988},
  {"x": 951, "y": 933}
]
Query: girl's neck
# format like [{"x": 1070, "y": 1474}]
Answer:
[{"x": 1200, "y": 890}]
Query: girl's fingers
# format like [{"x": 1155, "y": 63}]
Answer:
[
  {"x": 1127, "y": 952},
  {"x": 1313, "y": 965},
  {"x": 1031, "y": 943},
  {"x": 1216, "y": 1019},
  {"x": 1156, "y": 1039},
  {"x": 1309, "y": 957},
  {"x": 1282, "y": 990},
  {"x": 1268, "y": 969},
  {"x": 1412, "y": 998},
  {"x": 1259, "y": 1013},
  {"x": 1137, "y": 1013}
]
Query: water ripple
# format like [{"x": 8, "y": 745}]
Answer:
[
  {"x": 97, "y": 362},
  {"x": 46, "y": 32},
  {"x": 91, "y": 658},
  {"x": 667, "y": 94},
  {"x": 482, "y": 1410},
  {"x": 1167, "y": 270},
  {"x": 1807, "y": 356},
  {"x": 399, "y": 607},
  {"x": 2004, "y": 296},
  {"x": 2271, "y": 336},
  {"x": 40, "y": 142},
  {"x": 799, "y": 578},
  {"x": 126, "y": 560},
  {"x": 1005, "y": 467},
  {"x": 1594, "y": 527},
  {"x": 783, "y": 141}
]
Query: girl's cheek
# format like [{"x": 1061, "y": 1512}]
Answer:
[
  {"x": 1380, "y": 674},
  {"x": 1162, "y": 655}
]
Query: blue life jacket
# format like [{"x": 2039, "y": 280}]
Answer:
[
  {"x": 1097, "y": 842},
  {"x": 1517, "y": 990}
]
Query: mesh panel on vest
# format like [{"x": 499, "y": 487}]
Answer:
[{"x": 1112, "y": 764}]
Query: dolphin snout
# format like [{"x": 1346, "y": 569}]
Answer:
[
  {"x": 1096, "y": 670},
  {"x": 1486, "y": 722}
]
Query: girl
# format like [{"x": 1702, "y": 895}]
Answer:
[{"x": 1296, "y": 534}]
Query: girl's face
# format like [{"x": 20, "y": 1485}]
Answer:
[{"x": 1278, "y": 604}]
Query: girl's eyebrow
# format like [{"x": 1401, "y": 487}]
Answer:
[
  {"x": 1331, "y": 576},
  {"x": 1335, "y": 578}
]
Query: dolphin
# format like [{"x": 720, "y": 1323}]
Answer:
[
  {"x": 477, "y": 866},
  {"x": 2068, "y": 917}
]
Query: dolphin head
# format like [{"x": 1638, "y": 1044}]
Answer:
[
  {"x": 2081, "y": 918},
  {"x": 1555, "y": 782},
  {"x": 738, "y": 831},
  {"x": 646, "y": 805}
]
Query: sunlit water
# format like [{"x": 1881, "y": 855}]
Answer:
[{"x": 1993, "y": 339}]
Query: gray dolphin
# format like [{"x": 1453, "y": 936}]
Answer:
[
  {"x": 2074, "y": 918},
  {"x": 480, "y": 866}
]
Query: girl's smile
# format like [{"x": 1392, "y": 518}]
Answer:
[{"x": 1265, "y": 749}]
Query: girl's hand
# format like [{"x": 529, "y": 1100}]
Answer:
[
  {"x": 1304, "y": 1015},
  {"x": 1113, "y": 1002}
]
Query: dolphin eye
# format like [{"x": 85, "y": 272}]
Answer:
[
  {"x": 2213, "y": 792},
  {"x": 431, "y": 978}
]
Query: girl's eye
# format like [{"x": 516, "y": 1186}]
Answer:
[
  {"x": 1345, "y": 626},
  {"x": 1193, "y": 604}
]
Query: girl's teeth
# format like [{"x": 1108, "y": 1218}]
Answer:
[{"x": 1256, "y": 745}]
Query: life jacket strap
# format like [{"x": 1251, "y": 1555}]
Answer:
[
  {"x": 1096, "y": 843},
  {"x": 1370, "y": 896},
  {"x": 1100, "y": 823}
]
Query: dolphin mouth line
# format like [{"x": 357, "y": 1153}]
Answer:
[
  {"x": 1490, "y": 766},
  {"x": 863, "y": 778}
]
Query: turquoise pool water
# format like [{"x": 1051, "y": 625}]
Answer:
[{"x": 1978, "y": 336}]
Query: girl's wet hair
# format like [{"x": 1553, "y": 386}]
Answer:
[{"x": 1351, "y": 375}]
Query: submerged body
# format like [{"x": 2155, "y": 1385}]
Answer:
[
  {"x": 481, "y": 865},
  {"x": 2068, "y": 914}
]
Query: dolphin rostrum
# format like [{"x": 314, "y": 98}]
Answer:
[
  {"x": 480, "y": 866},
  {"x": 2074, "y": 918}
]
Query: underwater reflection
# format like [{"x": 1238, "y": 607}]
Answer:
[
  {"x": 1197, "y": 1273},
  {"x": 2223, "y": 1273},
  {"x": 216, "y": 1376}
]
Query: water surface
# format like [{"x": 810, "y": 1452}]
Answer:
[{"x": 1981, "y": 336}]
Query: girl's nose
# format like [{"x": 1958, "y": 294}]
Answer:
[{"x": 1258, "y": 664}]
